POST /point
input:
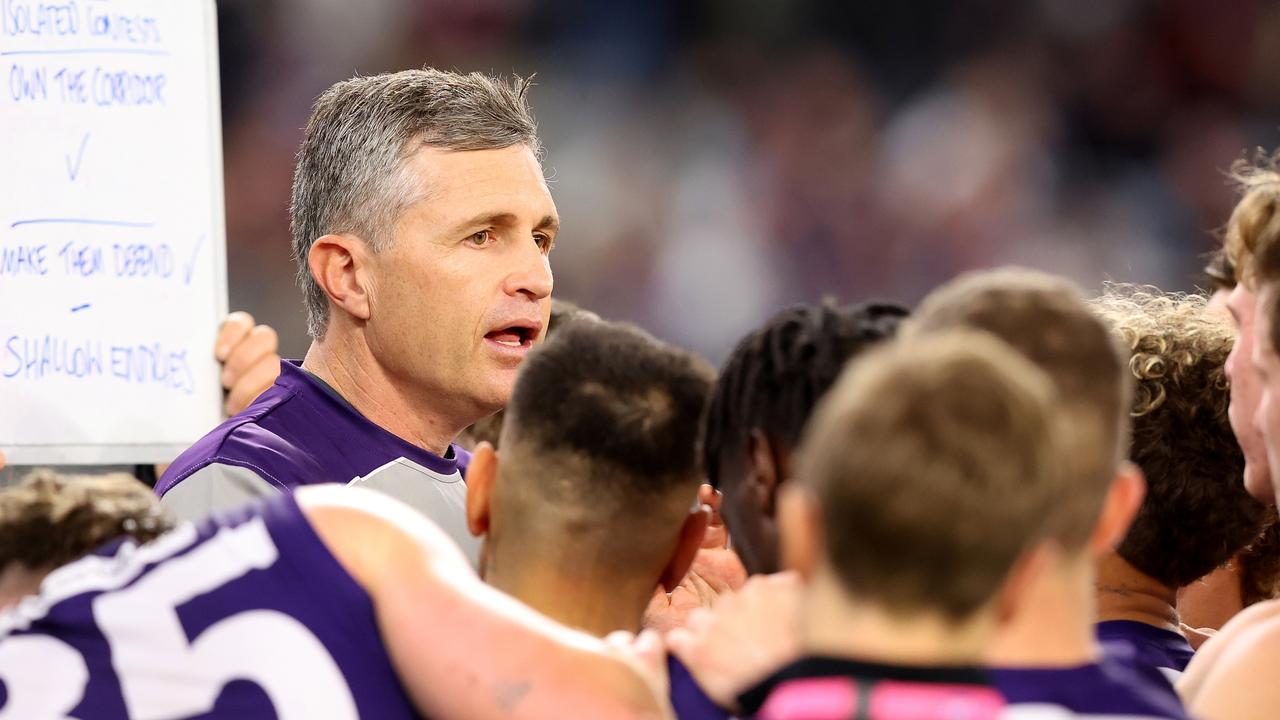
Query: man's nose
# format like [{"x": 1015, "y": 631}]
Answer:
[{"x": 532, "y": 277}]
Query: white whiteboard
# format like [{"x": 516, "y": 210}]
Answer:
[{"x": 112, "y": 238}]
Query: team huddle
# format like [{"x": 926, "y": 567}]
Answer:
[{"x": 1012, "y": 501}]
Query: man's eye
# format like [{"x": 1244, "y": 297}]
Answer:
[
  {"x": 546, "y": 242},
  {"x": 480, "y": 238}
]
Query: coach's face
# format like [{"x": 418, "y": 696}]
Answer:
[
  {"x": 464, "y": 291},
  {"x": 1246, "y": 391},
  {"x": 1267, "y": 365}
]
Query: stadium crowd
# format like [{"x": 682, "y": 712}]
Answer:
[{"x": 1014, "y": 500}]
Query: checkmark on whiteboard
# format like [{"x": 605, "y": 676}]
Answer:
[
  {"x": 191, "y": 264},
  {"x": 73, "y": 166}
]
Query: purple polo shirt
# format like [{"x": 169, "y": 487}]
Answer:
[
  {"x": 245, "y": 615},
  {"x": 300, "y": 432}
]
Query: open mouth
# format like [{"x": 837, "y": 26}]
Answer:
[{"x": 514, "y": 336}]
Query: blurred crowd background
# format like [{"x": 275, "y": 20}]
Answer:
[{"x": 713, "y": 160}]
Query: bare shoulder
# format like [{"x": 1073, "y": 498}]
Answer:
[
  {"x": 1244, "y": 683},
  {"x": 444, "y": 628},
  {"x": 1211, "y": 652},
  {"x": 372, "y": 534},
  {"x": 1250, "y": 616}
]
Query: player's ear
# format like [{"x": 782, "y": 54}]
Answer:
[
  {"x": 800, "y": 530},
  {"x": 338, "y": 265},
  {"x": 481, "y": 474},
  {"x": 1123, "y": 500},
  {"x": 766, "y": 472},
  {"x": 687, "y": 546}
]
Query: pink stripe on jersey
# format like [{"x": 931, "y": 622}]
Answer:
[
  {"x": 892, "y": 700},
  {"x": 811, "y": 699}
]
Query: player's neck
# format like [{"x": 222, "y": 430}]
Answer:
[
  {"x": 1127, "y": 593},
  {"x": 596, "y": 605},
  {"x": 348, "y": 367},
  {"x": 838, "y": 625},
  {"x": 1054, "y": 626},
  {"x": 1213, "y": 599}
]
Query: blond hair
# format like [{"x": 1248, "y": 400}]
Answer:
[
  {"x": 1045, "y": 318},
  {"x": 1254, "y": 224},
  {"x": 933, "y": 461}
]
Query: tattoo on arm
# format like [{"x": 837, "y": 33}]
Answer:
[{"x": 509, "y": 694}]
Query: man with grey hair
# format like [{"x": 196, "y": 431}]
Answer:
[{"x": 422, "y": 226}]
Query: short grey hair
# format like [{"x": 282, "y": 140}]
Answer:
[{"x": 350, "y": 174}]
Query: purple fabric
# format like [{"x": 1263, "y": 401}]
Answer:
[
  {"x": 1143, "y": 644},
  {"x": 305, "y": 582},
  {"x": 299, "y": 432},
  {"x": 1105, "y": 688},
  {"x": 687, "y": 698}
]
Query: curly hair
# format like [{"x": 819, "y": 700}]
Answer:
[
  {"x": 1254, "y": 224},
  {"x": 778, "y": 372},
  {"x": 1196, "y": 514},
  {"x": 49, "y": 519}
]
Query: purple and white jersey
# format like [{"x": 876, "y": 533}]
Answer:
[
  {"x": 1102, "y": 690},
  {"x": 1142, "y": 645},
  {"x": 300, "y": 432},
  {"x": 246, "y": 615}
]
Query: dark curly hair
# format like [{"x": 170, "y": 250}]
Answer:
[{"x": 776, "y": 374}]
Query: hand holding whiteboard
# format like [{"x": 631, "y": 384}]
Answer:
[{"x": 112, "y": 238}]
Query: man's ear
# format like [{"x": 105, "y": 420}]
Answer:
[
  {"x": 687, "y": 546},
  {"x": 800, "y": 531},
  {"x": 766, "y": 471},
  {"x": 482, "y": 472},
  {"x": 337, "y": 263},
  {"x": 1124, "y": 499}
]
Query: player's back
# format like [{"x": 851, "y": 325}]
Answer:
[{"x": 247, "y": 615}]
